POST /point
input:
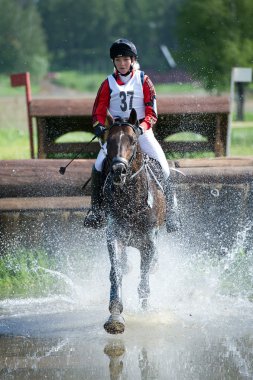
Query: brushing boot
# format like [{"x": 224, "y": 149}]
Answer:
[
  {"x": 95, "y": 218},
  {"x": 173, "y": 222}
]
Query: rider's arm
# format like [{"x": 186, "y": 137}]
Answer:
[
  {"x": 150, "y": 104},
  {"x": 101, "y": 104}
]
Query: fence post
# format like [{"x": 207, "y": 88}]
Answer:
[{"x": 23, "y": 79}]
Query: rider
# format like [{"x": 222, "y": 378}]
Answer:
[{"x": 128, "y": 88}]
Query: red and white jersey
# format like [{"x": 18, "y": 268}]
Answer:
[
  {"x": 124, "y": 97},
  {"x": 119, "y": 98}
]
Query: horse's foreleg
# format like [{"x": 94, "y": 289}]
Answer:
[
  {"x": 115, "y": 323},
  {"x": 147, "y": 256}
]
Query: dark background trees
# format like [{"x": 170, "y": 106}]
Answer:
[
  {"x": 215, "y": 36},
  {"x": 80, "y": 33},
  {"x": 206, "y": 38},
  {"x": 22, "y": 38}
]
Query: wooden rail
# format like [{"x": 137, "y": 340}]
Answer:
[
  {"x": 215, "y": 200},
  {"x": 204, "y": 115},
  {"x": 207, "y": 116},
  {"x": 41, "y": 178}
]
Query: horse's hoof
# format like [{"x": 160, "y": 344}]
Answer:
[
  {"x": 114, "y": 349},
  {"x": 115, "y": 325}
]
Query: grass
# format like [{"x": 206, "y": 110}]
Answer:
[
  {"x": 14, "y": 144},
  {"x": 22, "y": 274},
  {"x": 179, "y": 88},
  {"x": 242, "y": 141},
  {"x": 87, "y": 83}
]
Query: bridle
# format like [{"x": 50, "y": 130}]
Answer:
[
  {"x": 120, "y": 169},
  {"x": 120, "y": 160}
]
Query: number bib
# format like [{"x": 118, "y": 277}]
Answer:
[{"x": 127, "y": 96}]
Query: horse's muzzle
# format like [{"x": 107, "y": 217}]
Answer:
[{"x": 119, "y": 170}]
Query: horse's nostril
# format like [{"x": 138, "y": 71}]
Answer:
[{"x": 119, "y": 168}]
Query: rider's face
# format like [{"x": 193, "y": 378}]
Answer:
[{"x": 122, "y": 64}]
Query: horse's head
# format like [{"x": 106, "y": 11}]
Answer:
[{"x": 122, "y": 146}]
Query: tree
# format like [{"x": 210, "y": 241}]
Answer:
[
  {"x": 22, "y": 40},
  {"x": 215, "y": 36},
  {"x": 79, "y": 34}
]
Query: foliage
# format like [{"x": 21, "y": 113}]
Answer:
[
  {"x": 22, "y": 39},
  {"x": 215, "y": 36},
  {"x": 22, "y": 273},
  {"x": 206, "y": 39},
  {"x": 79, "y": 35}
]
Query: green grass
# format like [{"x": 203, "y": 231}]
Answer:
[
  {"x": 242, "y": 141},
  {"x": 248, "y": 116},
  {"x": 14, "y": 144},
  {"x": 178, "y": 88},
  {"x": 22, "y": 274},
  {"x": 89, "y": 83}
]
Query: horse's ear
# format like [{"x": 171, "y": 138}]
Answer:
[
  {"x": 109, "y": 119},
  {"x": 133, "y": 117}
]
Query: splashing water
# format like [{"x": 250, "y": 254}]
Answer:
[
  {"x": 186, "y": 282},
  {"x": 200, "y": 312}
]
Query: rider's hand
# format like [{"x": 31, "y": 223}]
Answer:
[{"x": 99, "y": 130}]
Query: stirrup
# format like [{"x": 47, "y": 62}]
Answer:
[{"x": 93, "y": 220}]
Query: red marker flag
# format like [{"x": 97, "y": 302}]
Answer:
[{"x": 21, "y": 79}]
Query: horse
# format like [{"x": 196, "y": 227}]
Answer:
[{"x": 135, "y": 210}]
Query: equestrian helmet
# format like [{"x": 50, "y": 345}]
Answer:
[{"x": 123, "y": 47}]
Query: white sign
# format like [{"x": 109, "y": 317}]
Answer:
[{"x": 241, "y": 74}]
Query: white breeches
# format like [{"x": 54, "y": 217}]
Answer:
[{"x": 149, "y": 145}]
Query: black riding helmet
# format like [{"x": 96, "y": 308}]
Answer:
[{"x": 123, "y": 47}]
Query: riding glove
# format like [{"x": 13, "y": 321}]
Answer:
[{"x": 99, "y": 130}]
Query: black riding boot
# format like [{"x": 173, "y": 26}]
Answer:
[
  {"x": 95, "y": 219},
  {"x": 172, "y": 218}
]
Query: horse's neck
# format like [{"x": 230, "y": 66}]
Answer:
[{"x": 140, "y": 179}]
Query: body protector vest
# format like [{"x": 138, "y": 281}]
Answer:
[{"x": 127, "y": 96}]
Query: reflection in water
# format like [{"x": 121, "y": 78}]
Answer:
[
  {"x": 176, "y": 350},
  {"x": 147, "y": 370},
  {"x": 115, "y": 351}
]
